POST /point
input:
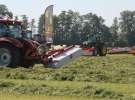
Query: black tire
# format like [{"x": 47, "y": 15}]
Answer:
[
  {"x": 103, "y": 51},
  {"x": 13, "y": 53}
]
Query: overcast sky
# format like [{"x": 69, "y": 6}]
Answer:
[{"x": 108, "y": 9}]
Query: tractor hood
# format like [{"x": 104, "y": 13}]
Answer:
[
  {"x": 30, "y": 43},
  {"x": 12, "y": 41}
]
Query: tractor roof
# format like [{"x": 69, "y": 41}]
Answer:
[{"x": 7, "y": 21}]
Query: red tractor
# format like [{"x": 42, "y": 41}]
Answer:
[{"x": 15, "y": 49}]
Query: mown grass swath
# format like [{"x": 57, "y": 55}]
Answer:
[{"x": 110, "y": 77}]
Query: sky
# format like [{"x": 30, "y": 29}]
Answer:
[{"x": 108, "y": 9}]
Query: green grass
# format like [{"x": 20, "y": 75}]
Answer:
[
  {"x": 113, "y": 69},
  {"x": 88, "y": 78},
  {"x": 10, "y": 96},
  {"x": 66, "y": 89},
  {"x": 128, "y": 89}
]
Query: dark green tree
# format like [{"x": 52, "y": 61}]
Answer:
[
  {"x": 5, "y": 12},
  {"x": 25, "y": 23},
  {"x": 32, "y": 25},
  {"x": 73, "y": 27},
  {"x": 67, "y": 27},
  {"x": 56, "y": 29},
  {"x": 114, "y": 29},
  {"x": 41, "y": 22},
  {"x": 94, "y": 26},
  {"x": 127, "y": 26}
]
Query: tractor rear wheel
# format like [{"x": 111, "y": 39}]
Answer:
[
  {"x": 103, "y": 51},
  {"x": 9, "y": 56}
]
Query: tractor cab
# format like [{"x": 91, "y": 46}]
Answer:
[{"x": 10, "y": 28}]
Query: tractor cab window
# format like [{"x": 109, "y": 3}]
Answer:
[
  {"x": 27, "y": 35},
  {"x": 15, "y": 31},
  {"x": 3, "y": 29}
]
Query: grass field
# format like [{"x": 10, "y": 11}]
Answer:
[{"x": 88, "y": 78}]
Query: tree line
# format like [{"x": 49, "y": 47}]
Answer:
[{"x": 73, "y": 28}]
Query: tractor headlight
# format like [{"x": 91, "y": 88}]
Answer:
[{"x": 41, "y": 49}]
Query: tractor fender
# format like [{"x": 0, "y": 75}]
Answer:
[{"x": 11, "y": 41}]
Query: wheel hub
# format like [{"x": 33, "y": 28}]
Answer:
[{"x": 5, "y": 57}]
